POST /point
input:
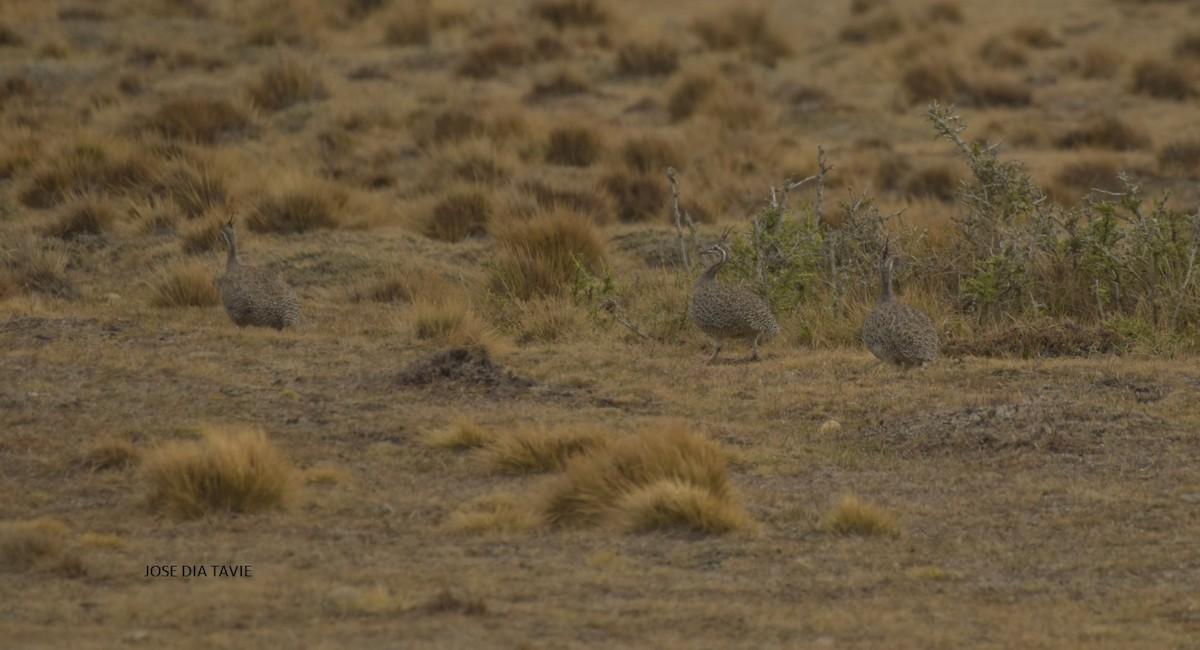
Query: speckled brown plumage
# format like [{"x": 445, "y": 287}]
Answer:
[
  {"x": 252, "y": 296},
  {"x": 897, "y": 333},
  {"x": 725, "y": 312}
]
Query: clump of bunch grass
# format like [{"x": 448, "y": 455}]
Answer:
[
  {"x": 286, "y": 82},
  {"x": 39, "y": 266},
  {"x": 1181, "y": 157},
  {"x": 36, "y": 544},
  {"x": 664, "y": 477},
  {"x": 563, "y": 82},
  {"x": 574, "y": 146},
  {"x": 542, "y": 256},
  {"x": 300, "y": 206},
  {"x": 647, "y": 58},
  {"x": 463, "y": 434},
  {"x": 1105, "y": 132},
  {"x": 852, "y": 516},
  {"x": 400, "y": 284},
  {"x": 84, "y": 216},
  {"x": 460, "y": 214},
  {"x": 1163, "y": 80},
  {"x": 203, "y": 119},
  {"x": 89, "y": 165},
  {"x": 185, "y": 284},
  {"x": 227, "y": 470},
  {"x": 571, "y": 13},
  {"x": 410, "y": 23},
  {"x": 447, "y": 320},
  {"x": 203, "y": 236},
  {"x": 744, "y": 29},
  {"x": 496, "y": 514},
  {"x": 110, "y": 453},
  {"x": 638, "y": 195},
  {"x": 537, "y": 450}
]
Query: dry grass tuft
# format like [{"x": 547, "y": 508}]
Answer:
[
  {"x": 110, "y": 453},
  {"x": 1036, "y": 36},
  {"x": 639, "y": 196},
  {"x": 574, "y": 146},
  {"x": 449, "y": 321},
  {"x": 852, "y": 516},
  {"x": 542, "y": 256},
  {"x": 998, "y": 91},
  {"x": 564, "y": 82},
  {"x": 1000, "y": 52},
  {"x": 571, "y": 13},
  {"x": 493, "y": 514},
  {"x": 1187, "y": 46},
  {"x": 460, "y": 214},
  {"x": 85, "y": 216},
  {"x": 1099, "y": 61},
  {"x": 874, "y": 27},
  {"x": 644, "y": 480},
  {"x": 487, "y": 59},
  {"x": 464, "y": 434},
  {"x": 1163, "y": 80},
  {"x": 200, "y": 118},
  {"x": 650, "y": 154},
  {"x": 401, "y": 284},
  {"x": 938, "y": 182},
  {"x": 1181, "y": 157},
  {"x": 299, "y": 207},
  {"x": 1077, "y": 178},
  {"x": 185, "y": 284},
  {"x": 411, "y": 23},
  {"x": 540, "y": 450},
  {"x": 228, "y": 470},
  {"x": 590, "y": 201},
  {"x": 924, "y": 82},
  {"x": 35, "y": 266},
  {"x": 944, "y": 11},
  {"x": 204, "y": 236},
  {"x": 669, "y": 504},
  {"x": 1039, "y": 338},
  {"x": 351, "y": 601},
  {"x": 548, "y": 320},
  {"x": 656, "y": 57},
  {"x": 285, "y": 82},
  {"x": 1105, "y": 132},
  {"x": 26, "y": 545},
  {"x": 742, "y": 28},
  {"x": 196, "y": 186},
  {"x": 451, "y": 602},
  {"x": 89, "y": 165},
  {"x": 691, "y": 91}
]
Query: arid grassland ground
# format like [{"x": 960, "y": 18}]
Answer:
[{"x": 494, "y": 426}]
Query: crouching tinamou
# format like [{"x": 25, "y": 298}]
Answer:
[
  {"x": 725, "y": 312},
  {"x": 253, "y": 296},
  {"x": 897, "y": 333}
]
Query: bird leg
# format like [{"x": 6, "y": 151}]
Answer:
[
  {"x": 716, "y": 351},
  {"x": 754, "y": 348}
]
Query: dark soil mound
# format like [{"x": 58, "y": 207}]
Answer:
[{"x": 463, "y": 368}]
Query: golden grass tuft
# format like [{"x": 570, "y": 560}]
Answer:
[
  {"x": 447, "y": 320},
  {"x": 197, "y": 186},
  {"x": 203, "y": 236},
  {"x": 563, "y": 82},
  {"x": 549, "y": 320},
  {"x": 400, "y": 284},
  {"x": 1099, "y": 61},
  {"x": 84, "y": 216},
  {"x": 1105, "y": 132},
  {"x": 286, "y": 82},
  {"x": 410, "y": 23},
  {"x": 647, "y": 58},
  {"x": 324, "y": 475},
  {"x": 26, "y": 545},
  {"x": 460, "y": 214},
  {"x": 1000, "y": 52},
  {"x": 463, "y": 434},
  {"x": 486, "y": 59},
  {"x": 689, "y": 93},
  {"x": 542, "y": 256},
  {"x": 1035, "y": 36},
  {"x": 497, "y": 514},
  {"x": 37, "y": 266},
  {"x": 1075, "y": 179},
  {"x": 669, "y": 504},
  {"x": 202, "y": 119},
  {"x": 650, "y": 154},
  {"x": 228, "y": 470},
  {"x": 590, "y": 201},
  {"x": 537, "y": 450},
  {"x": 300, "y": 206},
  {"x": 925, "y": 81},
  {"x": 638, "y": 196},
  {"x": 874, "y": 27},
  {"x": 574, "y": 146},
  {"x": 743, "y": 28},
  {"x": 640, "y": 481},
  {"x": 110, "y": 453},
  {"x": 852, "y": 516},
  {"x": 284, "y": 22},
  {"x": 185, "y": 284},
  {"x": 351, "y": 601},
  {"x": 1181, "y": 157},
  {"x": 939, "y": 182},
  {"x": 88, "y": 165},
  {"x": 571, "y": 13},
  {"x": 1163, "y": 80}
]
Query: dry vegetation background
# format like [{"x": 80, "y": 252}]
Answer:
[{"x": 467, "y": 444}]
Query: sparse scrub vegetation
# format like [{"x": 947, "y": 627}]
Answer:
[
  {"x": 110, "y": 453},
  {"x": 39, "y": 266},
  {"x": 88, "y": 216},
  {"x": 200, "y": 118},
  {"x": 746, "y": 29},
  {"x": 87, "y": 166},
  {"x": 494, "y": 514},
  {"x": 462, "y": 435},
  {"x": 228, "y": 470}
]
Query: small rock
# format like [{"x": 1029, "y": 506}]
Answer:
[
  {"x": 381, "y": 509},
  {"x": 136, "y": 636}
]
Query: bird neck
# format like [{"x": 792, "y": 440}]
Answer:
[
  {"x": 711, "y": 272},
  {"x": 232, "y": 260},
  {"x": 885, "y": 281}
]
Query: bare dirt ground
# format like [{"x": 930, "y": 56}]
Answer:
[{"x": 1040, "y": 502}]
